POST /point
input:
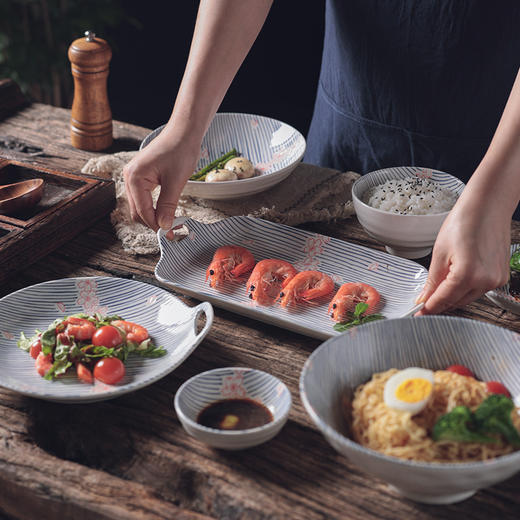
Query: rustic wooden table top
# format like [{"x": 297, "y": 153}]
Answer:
[{"x": 130, "y": 458}]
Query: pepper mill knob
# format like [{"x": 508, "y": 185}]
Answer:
[{"x": 91, "y": 117}]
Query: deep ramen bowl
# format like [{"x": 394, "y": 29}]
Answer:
[
  {"x": 232, "y": 383},
  {"x": 405, "y": 235},
  {"x": 339, "y": 365},
  {"x": 275, "y": 149}
]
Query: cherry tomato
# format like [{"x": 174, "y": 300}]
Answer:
[
  {"x": 461, "y": 370},
  {"x": 107, "y": 336},
  {"x": 84, "y": 373},
  {"x": 43, "y": 363},
  {"x": 495, "y": 387},
  {"x": 109, "y": 370},
  {"x": 36, "y": 348}
]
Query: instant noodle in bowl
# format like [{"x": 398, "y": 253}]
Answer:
[
  {"x": 405, "y": 207},
  {"x": 448, "y": 447}
]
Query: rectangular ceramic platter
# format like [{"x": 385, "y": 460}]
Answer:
[{"x": 183, "y": 266}]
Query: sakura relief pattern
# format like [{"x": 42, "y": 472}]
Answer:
[
  {"x": 232, "y": 383},
  {"x": 87, "y": 297},
  {"x": 169, "y": 321},
  {"x": 183, "y": 265},
  {"x": 274, "y": 148}
]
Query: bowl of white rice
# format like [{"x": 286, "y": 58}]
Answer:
[{"x": 404, "y": 207}]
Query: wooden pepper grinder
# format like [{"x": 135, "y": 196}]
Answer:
[{"x": 91, "y": 118}]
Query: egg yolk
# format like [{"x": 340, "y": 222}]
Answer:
[{"x": 413, "y": 390}]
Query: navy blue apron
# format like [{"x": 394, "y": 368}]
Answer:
[{"x": 413, "y": 82}]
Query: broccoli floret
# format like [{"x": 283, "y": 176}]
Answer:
[
  {"x": 457, "y": 426},
  {"x": 494, "y": 416}
]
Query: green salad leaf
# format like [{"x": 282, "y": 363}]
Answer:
[
  {"x": 48, "y": 339},
  {"x": 24, "y": 342}
]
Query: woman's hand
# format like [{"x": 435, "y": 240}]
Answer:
[
  {"x": 165, "y": 162},
  {"x": 470, "y": 257}
]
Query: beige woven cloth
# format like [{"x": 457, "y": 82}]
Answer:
[{"x": 309, "y": 194}]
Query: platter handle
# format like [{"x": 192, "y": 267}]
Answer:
[
  {"x": 206, "y": 309},
  {"x": 177, "y": 223}
]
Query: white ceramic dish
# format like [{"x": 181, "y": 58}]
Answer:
[
  {"x": 232, "y": 383},
  {"x": 183, "y": 266},
  {"x": 339, "y": 365},
  {"x": 501, "y": 295},
  {"x": 274, "y": 148},
  {"x": 409, "y": 236},
  {"x": 170, "y": 323}
]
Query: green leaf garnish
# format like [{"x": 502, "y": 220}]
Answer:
[{"x": 358, "y": 318}]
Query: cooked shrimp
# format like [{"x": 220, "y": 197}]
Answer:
[
  {"x": 306, "y": 286},
  {"x": 229, "y": 262},
  {"x": 134, "y": 332},
  {"x": 348, "y": 296},
  {"x": 80, "y": 328},
  {"x": 268, "y": 278}
]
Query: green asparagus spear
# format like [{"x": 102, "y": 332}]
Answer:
[{"x": 217, "y": 163}]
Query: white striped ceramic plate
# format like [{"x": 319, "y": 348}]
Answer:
[
  {"x": 274, "y": 148},
  {"x": 170, "y": 323},
  {"x": 183, "y": 266},
  {"x": 502, "y": 297}
]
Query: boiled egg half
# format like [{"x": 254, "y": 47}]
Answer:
[{"x": 409, "y": 390}]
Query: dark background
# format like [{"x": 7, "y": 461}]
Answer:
[{"x": 278, "y": 78}]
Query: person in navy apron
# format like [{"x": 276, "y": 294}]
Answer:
[{"x": 411, "y": 82}]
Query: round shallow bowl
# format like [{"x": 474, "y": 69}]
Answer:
[
  {"x": 502, "y": 297},
  {"x": 338, "y": 366},
  {"x": 274, "y": 148},
  {"x": 232, "y": 383},
  {"x": 170, "y": 323},
  {"x": 409, "y": 236}
]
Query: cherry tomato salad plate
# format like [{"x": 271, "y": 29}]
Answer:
[
  {"x": 94, "y": 346},
  {"x": 88, "y": 309}
]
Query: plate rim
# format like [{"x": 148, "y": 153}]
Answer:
[
  {"x": 251, "y": 312},
  {"x": 117, "y": 391},
  {"x": 275, "y": 176}
]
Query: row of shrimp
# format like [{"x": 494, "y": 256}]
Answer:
[{"x": 273, "y": 280}]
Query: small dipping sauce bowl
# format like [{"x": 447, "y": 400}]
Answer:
[{"x": 241, "y": 396}]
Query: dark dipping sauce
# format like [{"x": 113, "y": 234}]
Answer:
[{"x": 235, "y": 414}]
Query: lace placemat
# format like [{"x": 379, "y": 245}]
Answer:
[{"x": 310, "y": 194}]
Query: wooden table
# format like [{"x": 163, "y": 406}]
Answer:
[{"x": 129, "y": 458}]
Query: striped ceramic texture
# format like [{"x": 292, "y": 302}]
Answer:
[
  {"x": 502, "y": 297},
  {"x": 339, "y": 365},
  {"x": 375, "y": 178},
  {"x": 183, "y": 266},
  {"x": 274, "y": 148},
  {"x": 232, "y": 383},
  {"x": 408, "y": 236},
  {"x": 170, "y": 323}
]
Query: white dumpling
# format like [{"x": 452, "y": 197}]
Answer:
[
  {"x": 241, "y": 166},
  {"x": 221, "y": 175}
]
